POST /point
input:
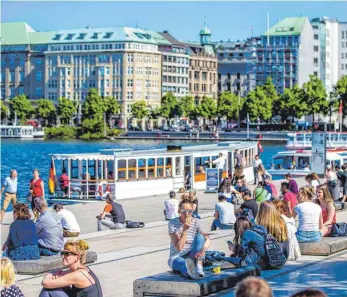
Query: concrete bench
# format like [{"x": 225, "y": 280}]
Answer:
[
  {"x": 327, "y": 246},
  {"x": 340, "y": 205},
  {"x": 46, "y": 264},
  {"x": 169, "y": 284}
]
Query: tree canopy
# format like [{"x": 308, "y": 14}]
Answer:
[
  {"x": 139, "y": 109},
  {"x": 46, "y": 110},
  {"x": 21, "y": 106},
  {"x": 66, "y": 109},
  {"x": 228, "y": 105}
]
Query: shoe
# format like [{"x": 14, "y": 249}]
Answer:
[
  {"x": 200, "y": 269},
  {"x": 191, "y": 271}
]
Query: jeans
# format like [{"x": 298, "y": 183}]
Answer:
[
  {"x": 256, "y": 177},
  {"x": 217, "y": 224},
  {"x": 179, "y": 264},
  {"x": 110, "y": 224},
  {"x": 47, "y": 252},
  {"x": 308, "y": 236},
  {"x": 59, "y": 292}
]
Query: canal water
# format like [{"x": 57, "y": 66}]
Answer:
[{"x": 25, "y": 155}]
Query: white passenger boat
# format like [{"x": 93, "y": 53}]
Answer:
[
  {"x": 38, "y": 132},
  {"x": 17, "y": 132},
  {"x": 130, "y": 174},
  {"x": 303, "y": 141},
  {"x": 295, "y": 162}
]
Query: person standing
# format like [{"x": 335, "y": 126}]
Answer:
[
  {"x": 342, "y": 176},
  {"x": 37, "y": 192},
  {"x": 220, "y": 164},
  {"x": 333, "y": 183},
  {"x": 257, "y": 161},
  {"x": 9, "y": 186},
  {"x": 64, "y": 182},
  {"x": 293, "y": 186},
  {"x": 69, "y": 222}
]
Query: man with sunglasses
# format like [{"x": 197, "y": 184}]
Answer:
[{"x": 189, "y": 242}]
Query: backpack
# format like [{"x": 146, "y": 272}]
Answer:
[
  {"x": 247, "y": 213},
  {"x": 274, "y": 252},
  {"x": 131, "y": 224}
]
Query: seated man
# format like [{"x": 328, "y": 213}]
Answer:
[
  {"x": 68, "y": 221},
  {"x": 171, "y": 207},
  {"x": 224, "y": 214},
  {"x": 240, "y": 186},
  {"x": 49, "y": 231},
  {"x": 188, "y": 242},
  {"x": 248, "y": 204},
  {"x": 113, "y": 215}
]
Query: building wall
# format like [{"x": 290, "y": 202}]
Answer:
[
  {"x": 305, "y": 62},
  {"x": 342, "y": 46}
]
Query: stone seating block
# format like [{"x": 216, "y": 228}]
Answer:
[
  {"x": 170, "y": 284},
  {"x": 46, "y": 264},
  {"x": 327, "y": 246}
]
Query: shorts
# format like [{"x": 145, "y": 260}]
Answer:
[
  {"x": 308, "y": 236},
  {"x": 9, "y": 198}
]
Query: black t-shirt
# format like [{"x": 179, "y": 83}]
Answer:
[{"x": 252, "y": 205}]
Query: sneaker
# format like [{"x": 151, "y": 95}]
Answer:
[
  {"x": 200, "y": 269},
  {"x": 191, "y": 269}
]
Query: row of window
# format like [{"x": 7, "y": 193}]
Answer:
[
  {"x": 145, "y": 96},
  {"x": 344, "y": 44},
  {"x": 174, "y": 59},
  {"x": 344, "y": 34},
  {"x": 175, "y": 79},
  {"x": 11, "y": 77},
  {"x": 202, "y": 63},
  {"x": 174, "y": 69},
  {"x": 179, "y": 90},
  {"x": 143, "y": 71},
  {"x": 143, "y": 58},
  {"x": 200, "y": 88},
  {"x": 281, "y": 40}
]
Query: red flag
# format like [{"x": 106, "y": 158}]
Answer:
[
  {"x": 341, "y": 107},
  {"x": 52, "y": 178},
  {"x": 260, "y": 147}
]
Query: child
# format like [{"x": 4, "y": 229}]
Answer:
[{"x": 7, "y": 280}]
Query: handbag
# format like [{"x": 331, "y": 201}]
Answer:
[
  {"x": 130, "y": 224},
  {"x": 339, "y": 230}
]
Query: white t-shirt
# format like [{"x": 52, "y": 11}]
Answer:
[
  {"x": 308, "y": 213},
  {"x": 256, "y": 163},
  {"x": 68, "y": 220},
  {"x": 226, "y": 213},
  {"x": 219, "y": 162},
  {"x": 171, "y": 207},
  {"x": 314, "y": 183}
]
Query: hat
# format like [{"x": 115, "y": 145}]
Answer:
[
  {"x": 288, "y": 174},
  {"x": 329, "y": 166}
]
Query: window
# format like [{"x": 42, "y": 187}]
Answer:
[
  {"x": 315, "y": 61},
  {"x": 12, "y": 77},
  {"x": 21, "y": 76},
  {"x": 315, "y": 73},
  {"x": 196, "y": 87},
  {"x": 151, "y": 168},
  {"x": 142, "y": 168},
  {"x": 130, "y": 95},
  {"x": 168, "y": 167},
  {"x": 315, "y": 36},
  {"x": 315, "y": 48},
  {"x": 132, "y": 169},
  {"x": 196, "y": 75},
  {"x": 21, "y": 90},
  {"x": 121, "y": 169},
  {"x": 39, "y": 93},
  {"x": 130, "y": 83}
]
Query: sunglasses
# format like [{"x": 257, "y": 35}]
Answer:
[
  {"x": 67, "y": 253},
  {"x": 187, "y": 211}
]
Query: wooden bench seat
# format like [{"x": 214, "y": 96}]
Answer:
[
  {"x": 327, "y": 246},
  {"x": 46, "y": 264},
  {"x": 169, "y": 284}
]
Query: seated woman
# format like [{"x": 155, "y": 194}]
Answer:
[
  {"x": 21, "y": 243},
  {"x": 310, "y": 217},
  {"x": 77, "y": 280},
  {"x": 269, "y": 218},
  {"x": 188, "y": 242},
  {"x": 326, "y": 202},
  {"x": 249, "y": 244},
  {"x": 284, "y": 211}
]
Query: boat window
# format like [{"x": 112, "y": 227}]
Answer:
[
  {"x": 178, "y": 166},
  {"x": 142, "y": 168},
  {"x": 160, "y": 167},
  {"x": 74, "y": 169},
  {"x": 91, "y": 168},
  {"x": 121, "y": 169},
  {"x": 200, "y": 164},
  {"x": 132, "y": 169},
  {"x": 99, "y": 174},
  {"x": 246, "y": 156},
  {"x": 168, "y": 167},
  {"x": 84, "y": 169},
  {"x": 212, "y": 159},
  {"x": 110, "y": 168},
  {"x": 151, "y": 168},
  {"x": 186, "y": 161}
]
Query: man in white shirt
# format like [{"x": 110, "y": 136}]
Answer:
[
  {"x": 224, "y": 214},
  {"x": 257, "y": 161},
  {"x": 71, "y": 227},
  {"x": 220, "y": 164},
  {"x": 171, "y": 207}
]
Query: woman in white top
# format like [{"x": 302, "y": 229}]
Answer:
[
  {"x": 284, "y": 211},
  {"x": 310, "y": 217},
  {"x": 333, "y": 183}
]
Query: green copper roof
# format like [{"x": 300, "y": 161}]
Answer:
[
  {"x": 22, "y": 33},
  {"x": 205, "y": 30},
  {"x": 287, "y": 26}
]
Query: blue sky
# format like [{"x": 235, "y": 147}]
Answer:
[{"x": 227, "y": 20}]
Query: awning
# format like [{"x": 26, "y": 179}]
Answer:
[{"x": 86, "y": 157}]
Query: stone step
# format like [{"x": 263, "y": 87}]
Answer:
[{"x": 327, "y": 246}]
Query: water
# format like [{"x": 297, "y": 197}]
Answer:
[{"x": 26, "y": 155}]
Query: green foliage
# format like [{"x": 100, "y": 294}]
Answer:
[
  {"x": 3, "y": 110},
  {"x": 170, "y": 107},
  {"x": 341, "y": 93},
  {"x": 187, "y": 105},
  {"x": 139, "y": 109},
  {"x": 315, "y": 97},
  {"x": 154, "y": 113},
  {"x": 22, "y": 106},
  {"x": 228, "y": 105},
  {"x": 207, "y": 108},
  {"x": 114, "y": 132},
  {"x": 270, "y": 90},
  {"x": 111, "y": 107},
  {"x": 66, "y": 109},
  {"x": 62, "y": 132},
  {"x": 45, "y": 109},
  {"x": 258, "y": 105}
]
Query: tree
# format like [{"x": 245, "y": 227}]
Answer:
[
  {"x": 46, "y": 110},
  {"x": 228, "y": 105},
  {"x": 66, "y": 109},
  {"x": 154, "y": 113},
  {"x": 315, "y": 97},
  {"x": 21, "y": 106},
  {"x": 258, "y": 105},
  {"x": 139, "y": 110},
  {"x": 340, "y": 91},
  {"x": 270, "y": 90},
  {"x": 207, "y": 108},
  {"x": 187, "y": 105},
  {"x": 4, "y": 110},
  {"x": 111, "y": 107},
  {"x": 170, "y": 107}
]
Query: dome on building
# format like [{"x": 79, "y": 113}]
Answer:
[{"x": 205, "y": 30}]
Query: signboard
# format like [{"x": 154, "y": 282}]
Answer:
[
  {"x": 212, "y": 180},
  {"x": 319, "y": 148}
]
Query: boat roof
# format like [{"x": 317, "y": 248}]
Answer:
[
  {"x": 109, "y": 154},
  {"x": 9, "y": 127},
  {"x": 306, "y": 153}
]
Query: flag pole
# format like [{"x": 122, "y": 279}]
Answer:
[{"x": 341, "y": 113}]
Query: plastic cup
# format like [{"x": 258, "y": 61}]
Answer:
[{"x": 216, "y": 268}]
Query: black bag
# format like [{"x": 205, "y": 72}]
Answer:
[
  {"x": 274, "y": 252},
  {"x": 339, "y": 230},
  {"x": 131, "y": 224}
]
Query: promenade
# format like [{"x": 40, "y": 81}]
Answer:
[{"x": 125, "y": 255}]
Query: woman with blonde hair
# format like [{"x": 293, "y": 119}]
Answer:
[
  {"x": 326, "y": 202},
  {"x": 77, "y": 280},
  {"x": 9, "y": 289},
  {"x": 275, "y": 225},
  {"x": 310, "y": 217}
]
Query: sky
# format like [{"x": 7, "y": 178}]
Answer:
[{"x": 227, "y": 20}]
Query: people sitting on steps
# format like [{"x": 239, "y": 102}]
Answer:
[
  {"x": 310, "y": 217},
  {"x": 69, "y": 222},
  {"x": 289, "y": 198},
  {"x": 293, "y": 186},
  {"x": 249, "y": 204},
  {"x": 229, "y": 191},
  {"x": 21, "y": 243},
  {"x": 171, "y": 206},
  {"x": 271, "y": 189},
  {"x": 224, "y": 216},
  {"x": 188, "y": 244},
  {"x": 113, "y": 215},
  {"x": 260, "y": 194},
  {"x": 49, "y": 231},
  {"x": 326, "y": 202},
  {"x": 77, "y": 280}
]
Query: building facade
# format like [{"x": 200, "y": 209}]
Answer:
[{"x": 342, "y": 48}]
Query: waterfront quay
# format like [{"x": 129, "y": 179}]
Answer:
[{"x": 129, "y": 254}]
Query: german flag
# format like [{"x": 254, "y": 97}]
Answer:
[{"x": 52, "y": 178}]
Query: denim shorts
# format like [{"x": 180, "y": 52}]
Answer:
[{"x": 308, "y": 236}]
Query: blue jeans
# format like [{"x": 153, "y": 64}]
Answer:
[
  {"x": 179, "y": 264},
  {"x": 47, "y": 252},
  {"x": 217, "y": 224},
  {"x": 308, "y": 236},
  {"x": 59, "y": 292}
]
